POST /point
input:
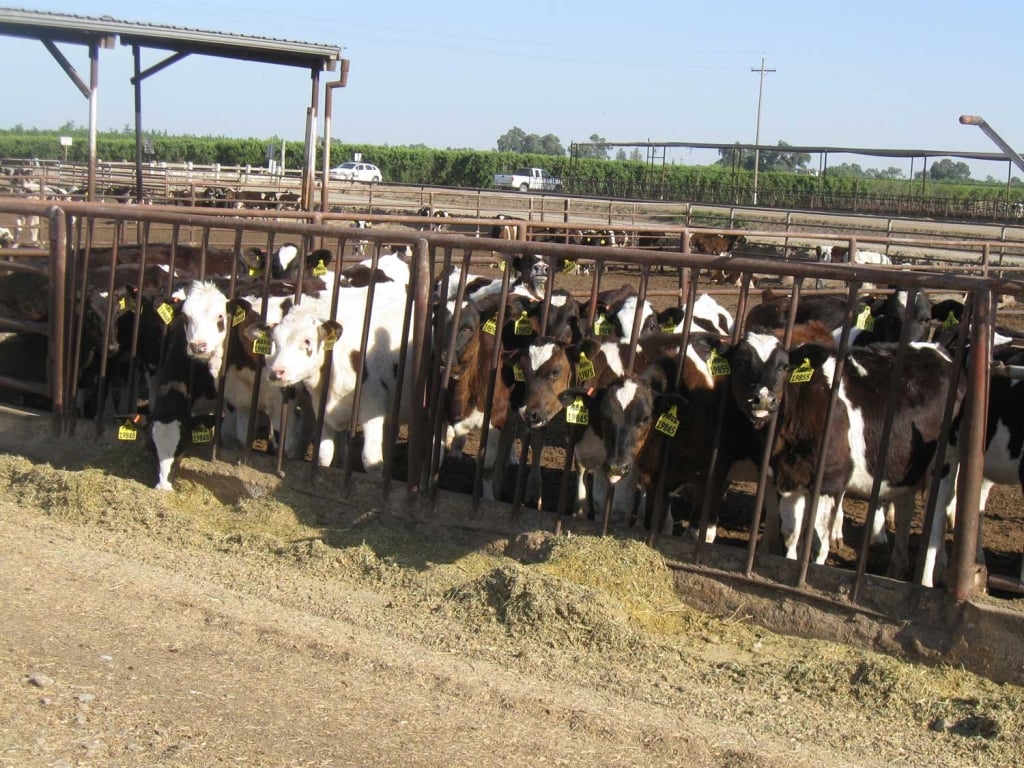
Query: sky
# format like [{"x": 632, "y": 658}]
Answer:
[{"x": 461, "y": 73}]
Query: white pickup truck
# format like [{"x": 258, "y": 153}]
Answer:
[{"x": 527, "y": 179}]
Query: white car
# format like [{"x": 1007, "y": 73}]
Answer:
[{"x": 352, "y": 171}]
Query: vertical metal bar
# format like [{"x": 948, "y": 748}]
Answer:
[
  {"x": 59, "y": 301},
  {"x": 972, "y": 449},
  {"x": 137, "y": 81}
]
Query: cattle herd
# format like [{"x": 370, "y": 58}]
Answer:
[{"x": 655, "y": 404}]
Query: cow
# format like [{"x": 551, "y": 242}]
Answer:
[
  {"x": 284, "y": 263},
  {"x": 615, "y": 314},
  {"x": 766, "y": 378},
  {"x": 301, "y": 342},
  {"x": 1003, "y": 462},
  {"x": 715, "y": 244},
  {"x": 708, "y": 316},
  {"x": 181, "y": 414}
]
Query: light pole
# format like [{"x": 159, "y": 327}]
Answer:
[
  {"x": 1011, "y": 153},
  {"x": 757, "y": 133}
]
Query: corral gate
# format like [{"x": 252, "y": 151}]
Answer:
[{"x": 74, "y": 228}]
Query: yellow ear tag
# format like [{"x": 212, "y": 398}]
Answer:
[
  {"x": 668, "y": 326},
  {"x": 585, "y": 368},
  {"x": 127, "y": 431},
  {"x": 802, "y": 374},
  {"x": 255, "y": 272},
  {"x": 668, "y": 422},
  {"x": 262, "y": 345},
  {"x": 320, "y": 269},
  {"x": 201, "y": 435},
  {"x": 238, "y": 318},
  {"x": 865, "y": 321},
  {"x": 517, "y": 373},
  {"x": 569, "y": 267},
  {"x": 523, "y": 325},
  {"x": 491, "y": 325},
  {"x": 950, "y": 321},
  {"x": 124, "y": 303},
  {"x": 166, "y": 313},
  {"x": 602, "y": 327},
  {"x": 577, "y": 413},
  {"x": 501, "y": 265},
  {"x": 330, "y": 340},
  {"x": 718, "y": 365},
  {"x": 260, "y": 444}
]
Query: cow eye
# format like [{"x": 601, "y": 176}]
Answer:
[
  {"x": 555, "y": 374},
  {"x": 220, "y": 323}
]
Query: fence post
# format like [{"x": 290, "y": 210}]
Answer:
[
  {"x": 59, "y": 303},
  {"x": 963, "y": 569}
]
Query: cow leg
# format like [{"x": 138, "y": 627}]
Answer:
[
  {"x": 166, "y": 436},
  {"x": 824, "y": 523},
  {"x": 772, "y": 519},
  {"x": 534, "y": 481},
  {"x": 791, "y": 518},
  {"x": 835, "y": 534},
  {"x": 899, "y": 561},
  {"x": 491, "y": 451},
  {"x": 373, "y": 446}
]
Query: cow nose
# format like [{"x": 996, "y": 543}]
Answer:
[
  {"x": 616, "y": 472},
  {"x": 533, "y": 416},
  {"x": 276, "y": 374},
  {"x": 197, "y": 346}
]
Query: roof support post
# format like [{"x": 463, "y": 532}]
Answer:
[
  {"x": 94, "y": 84},
  {"x": 341, "y": 82},
  {"x": 309, "y": 166},
  {"x": 137, "y": 83}
]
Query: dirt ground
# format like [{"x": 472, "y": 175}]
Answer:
[{"x": 146, "y": 628}]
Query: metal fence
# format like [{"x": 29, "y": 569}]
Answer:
[{"x": 76, "y": 232}]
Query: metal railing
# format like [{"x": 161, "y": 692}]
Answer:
[{"x": 431, "y": 334}]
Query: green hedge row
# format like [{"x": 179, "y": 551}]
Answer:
[{"x": 472, "y": 168}]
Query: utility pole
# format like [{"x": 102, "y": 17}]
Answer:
[{"x": 757, "y": 134}]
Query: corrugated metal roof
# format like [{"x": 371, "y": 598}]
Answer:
[{"x": 62, "y": 27}]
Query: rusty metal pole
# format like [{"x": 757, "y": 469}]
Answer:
[
  {"x": 963, "y": 567},
  {"x": 58, "y": 305},
  {"x": 341, "y": 82}
]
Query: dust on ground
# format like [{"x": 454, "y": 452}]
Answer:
[{"x": 194, "y": 629}]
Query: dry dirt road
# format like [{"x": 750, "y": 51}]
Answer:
[{"x": 140, "y": 628}]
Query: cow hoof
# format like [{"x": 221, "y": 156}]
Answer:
[{"x": 164, "y": 486}]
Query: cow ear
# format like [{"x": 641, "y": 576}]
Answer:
[
  {"x": 253, "y": 331},
  {"x": 816, "y": 354},
  {"x": 314, "y": 258},
  {"x": 666, "y": 400},
  {"x": 656, "y": 378},
  {"x": 252, "y": 258},
  {"x": 567, "y": 396},
  {"x": 329, "y": 329},
  {"x": 236, "y": 304},
  {"x": 517, "y": 262}
]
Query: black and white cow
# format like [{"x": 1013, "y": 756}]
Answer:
[
  {"x": 797, "y": 383},
  {"x": 1003, "y": 461}
]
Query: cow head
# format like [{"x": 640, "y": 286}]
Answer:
[
  {"x": 204, "y": 312},
  {"x": 759, "y": 365},
  {"x": 621, "y": 415},
  {"x": 299, "y": 345},
  {"x": 549, "y": 367}
]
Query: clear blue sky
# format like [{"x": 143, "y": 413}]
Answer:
[{"x": 460, "y": 73}]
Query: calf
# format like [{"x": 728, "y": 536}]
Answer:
[
  {"x": 1003, "y": 462},
  {"x": 185, "y": 399},
  {"x": 302, "y": 341},
  {"x": 717, "y": 245},
  {"x": 708, "y": 316},
  {"x": 767, "y": 378}
]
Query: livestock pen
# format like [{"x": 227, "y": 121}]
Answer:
[{"x": 442, "y": 263}]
